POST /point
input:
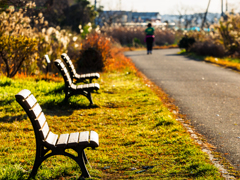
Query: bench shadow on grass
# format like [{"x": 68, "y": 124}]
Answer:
[
  {"x": 6, "y": 102},
  {"x": 63, "y": 108},
  {"x": 11, "y": 119},
  {"x": 51, "y": 107}
]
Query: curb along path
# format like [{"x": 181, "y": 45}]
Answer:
[{"x": 208, "y": 95}]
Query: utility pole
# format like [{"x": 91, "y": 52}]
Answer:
[
  {"x": 95, "y": 9},
  {"x": 226, "y": 5},
  {"x": 222, "y": 7},
  {"x": 205, "y": 15}
]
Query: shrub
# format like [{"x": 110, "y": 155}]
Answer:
[
  {"x": 25, "y": 41},
  {"x": 224, "y": 40},
  {"x": 186, "y": 43},
  {"x": 126, "y": 35},
  {"x": 208, "y": 48},
  {"x": 96, "y": 49},
  {"x": 137, "y": 42},
  {"x": 16, "y": 44},
  {"x": 229, "y": 33},
  {"x": 164, "y": 37}
]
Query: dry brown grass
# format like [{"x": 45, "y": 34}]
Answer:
[{"x": 126, "y": 35}]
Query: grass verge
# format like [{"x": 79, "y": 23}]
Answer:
[
  {"x": 232, "y": 63},
  {"x": 139, "y": 136}
]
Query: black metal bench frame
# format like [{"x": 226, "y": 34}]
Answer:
[
  {"x": 49, "y": 144},
  {"x": 74, "y": 75},
  {"x": 73, "y": 89}
]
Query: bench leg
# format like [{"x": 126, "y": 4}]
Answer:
[
  {"x": 81, "y": 162},
  {"x": 89, "y": 96},
  {"x": 36, "y": 165},
  {"x": 66, "y": 97},
  {"x": 38, "y": 161},
  {"x": 85, "y": 157}
]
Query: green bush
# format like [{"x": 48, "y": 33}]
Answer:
[
  {"x": 186, "y": 42},
  {"x": 137, "y": 42}
]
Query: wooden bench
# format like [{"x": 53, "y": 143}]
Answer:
[
  {"x": 48, "y": 143},
  {"x": 73, "y": 89},
  {"x": 73, "y": 74}
]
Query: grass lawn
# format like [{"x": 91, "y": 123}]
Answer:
[{"x": 136, "y": 131}]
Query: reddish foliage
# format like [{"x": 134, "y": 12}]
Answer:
[
  {"x": 46, "y": 77},
  {"x": 110, "y": 56},
  {"x": 118, "y": 61},
  {"x": 95, "y": 51}
]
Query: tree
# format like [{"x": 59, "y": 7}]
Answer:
[
  {"x": 80, "y": 13},
  {"x": 67, "y": 16}
]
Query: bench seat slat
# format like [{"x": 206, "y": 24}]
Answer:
[
  {"x": 36, "y": 110},
  {"x": 90, "y": 86},
  {"x": 40, "y": 121},
  {"x": 44, "y": 131},
  {"x": 51, "y": 139},
  {"x": 85, "y": 76},
  {"x": 94, "y": 139},
  {"x": 73, "y": 139},
  {"x": 31, "y": 100},
  {"x": 84, "y": 138},
  {"x": 63, "y": 140},
  {"x": 23, "y": 94}
]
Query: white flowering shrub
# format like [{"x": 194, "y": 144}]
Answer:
[
  {"x": 18, "y": 44},
  {"x": 228, "y": 32},
  {"x": 25, "y": 40},
  {"x": 222, "y": 40}
]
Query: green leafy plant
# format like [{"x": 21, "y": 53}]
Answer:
[{"x": 137, "y": 42}]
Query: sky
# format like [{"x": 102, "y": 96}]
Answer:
[{"x": 168, "y": 6}]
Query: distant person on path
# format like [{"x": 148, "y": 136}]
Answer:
[{"x": 149, "y": 38}]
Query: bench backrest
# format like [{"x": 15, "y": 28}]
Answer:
[
  {"x": 34, "y": 112},
  {"x": 62, "y": 68},
  {"x": 69, "y": 63}
]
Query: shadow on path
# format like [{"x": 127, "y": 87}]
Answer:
[
  {"x": 127, "y": 55},
  {"x": 188, "y": 58}
]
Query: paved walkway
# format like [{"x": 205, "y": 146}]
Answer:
[{"x": 209, "y": 95}]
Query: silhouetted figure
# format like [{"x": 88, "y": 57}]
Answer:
[{"x": 149, "y": 38}]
